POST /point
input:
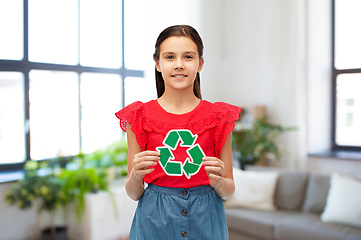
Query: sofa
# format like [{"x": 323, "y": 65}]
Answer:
[{"x": 294, "y": 205}]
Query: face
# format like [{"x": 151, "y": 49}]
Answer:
[{"x": 179, "y": 63}]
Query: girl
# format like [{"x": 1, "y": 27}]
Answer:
[{"x": 180, "y": 145}]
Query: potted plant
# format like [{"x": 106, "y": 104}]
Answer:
[
  {"x": 64, "y": 180},
  {"x": 257, "y": 143},
  {"x": 114, "y": 158},
  {"x": 40, "y": 182},
  {"x": 80, "y": 179}
]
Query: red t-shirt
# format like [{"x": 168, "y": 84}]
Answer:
[{"x": 182, "y": 139}]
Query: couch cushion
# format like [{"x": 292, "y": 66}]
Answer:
[
  {"x": 253, "y": 190},
  {"x": 316, "y": 194},
  {"x": 343, "y": 202},
  {"x": 290, "y": 190},
  {"x": 309, "y": 226},
  {"x": 257, "y": 223},
  {"x": 233, "y": 235}
]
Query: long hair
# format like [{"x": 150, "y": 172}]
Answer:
[{"x": 178, "y": 31}]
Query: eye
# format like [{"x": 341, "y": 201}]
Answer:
[
  {"x": 169, "y": 57},
  {"x": 188, "y": 57}
]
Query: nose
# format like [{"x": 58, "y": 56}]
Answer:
[{"x": 179, "y": 64}]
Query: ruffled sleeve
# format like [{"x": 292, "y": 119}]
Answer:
[
  {"x": 134, "y": 114},
  {"x": 226, "y": 114}
]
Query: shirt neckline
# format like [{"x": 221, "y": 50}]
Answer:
[{"x": 174, "y": 114}]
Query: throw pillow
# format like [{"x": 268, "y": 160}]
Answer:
[
  {"x": 343, "y": 201},
  {"x": 290, "y": 190},
  {"x": 316, "y": 194},
  {"x": 253, "y": 190}
]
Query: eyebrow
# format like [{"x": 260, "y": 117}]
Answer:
[{"x": 187, "y": 52}]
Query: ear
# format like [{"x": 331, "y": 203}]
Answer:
[
  {"x": 200, "y": 66},
  {"x": 157, "y": 66}
]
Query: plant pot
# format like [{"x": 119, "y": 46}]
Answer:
[
  {"x": 262, "y": 161},
  {"x": 100, "y": 219},
  {"x": 59, "y": 235},
  {"x": 243, "y": 164}
]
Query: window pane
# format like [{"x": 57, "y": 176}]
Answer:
[
  {"x": 347, "y": 34},
  {"x": 11, "y": 30},
  {"x": 100, "y": 99},
  {"x": 100, "y": 33},
  {"x": 348, "y": 110},
  {"x": 139, "y": 89},
  {"x": 139, "y": 34},
  {"x": 12, "y": 141},
  {"x": 54, "y": 114},
  {"x": 53, "y": 31}
]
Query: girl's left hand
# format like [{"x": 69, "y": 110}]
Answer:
[{"x": 215, "y": 170}]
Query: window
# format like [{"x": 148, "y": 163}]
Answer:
[
  {"x": 346, "y": 75},
  {"x": 62, "y": 74}
]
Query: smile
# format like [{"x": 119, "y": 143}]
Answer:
[{"x": 179, "y": 76}]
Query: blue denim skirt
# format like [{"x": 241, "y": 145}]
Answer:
[{"x": 177, "y": 213}]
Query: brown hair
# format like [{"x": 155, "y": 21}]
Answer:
[{"x": 178, "y": 31}]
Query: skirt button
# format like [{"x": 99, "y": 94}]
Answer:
[
  {"x": 184, "y": 233},
  {"x": 184, "y": 192}
]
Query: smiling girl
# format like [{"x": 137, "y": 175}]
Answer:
[{"x": 180, "y": 145}]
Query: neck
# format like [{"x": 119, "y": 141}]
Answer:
[{"x": 178, "y": 102}]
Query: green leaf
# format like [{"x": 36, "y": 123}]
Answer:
[{"x": 258, "y": 141}]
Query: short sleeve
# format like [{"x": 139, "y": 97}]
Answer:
[
  {"x": 134, "y": 114},
  {"x": 226, "y": 114}
]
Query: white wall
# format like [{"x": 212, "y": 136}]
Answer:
[
  {"x": 238, "y": 51},
  {"x": 275, "y": 53},
  {"x": 255, "y": 55},
  {"x": 319, "y": 76}
]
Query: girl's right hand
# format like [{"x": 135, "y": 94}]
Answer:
[{"x": 142, "y": 161}]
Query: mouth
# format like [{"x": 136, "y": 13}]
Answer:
[{"x": 179, "y": 75}]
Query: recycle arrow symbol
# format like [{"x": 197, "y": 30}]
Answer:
[{"x": 192, "y": 164}]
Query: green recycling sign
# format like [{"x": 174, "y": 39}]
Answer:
[{"x": 193, "y": 162}]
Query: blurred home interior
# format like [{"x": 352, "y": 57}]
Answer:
[{"x": 67, "y": 66}]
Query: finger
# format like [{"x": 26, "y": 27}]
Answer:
[
  {"x": 144, "y": 172},
  {"x": 215, "y": 177},
  {"x": 210, "y": 159},
  {"x": 149, "y": 158},
  {"x": 219, "y": 164},
  {"x": 138, "y": 159},
  {"x": 215, "y": 170},
  {"x": 141, "y": 173},
  {"x": 144, "y": 164},
  {"x": 148, "y": 153},
  {"x": 214, "y": 163}
]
